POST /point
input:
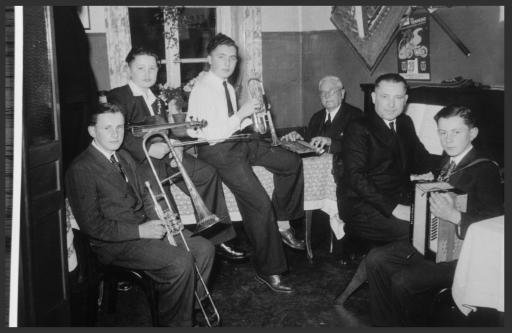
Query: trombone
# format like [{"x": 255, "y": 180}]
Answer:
[
  {"x": 261, "y": 117},
  {"x": 174, "y": 226}
]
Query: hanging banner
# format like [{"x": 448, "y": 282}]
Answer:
[{"x": 414, "y": 47}]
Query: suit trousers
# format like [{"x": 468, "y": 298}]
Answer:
[
  {"x": 233, "y": 162},
  {"x": 403, "y": 284},
  {"x": 172, "y": 268},
  {"x": 366, "y": 222}
]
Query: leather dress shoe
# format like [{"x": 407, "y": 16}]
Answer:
[
  {"x": 290, "y": 240},
  {"x": 274, "y": 283},
  {"x": 230, "y": 253}
]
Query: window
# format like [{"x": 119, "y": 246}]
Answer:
[{"x": 180, "y": 61}]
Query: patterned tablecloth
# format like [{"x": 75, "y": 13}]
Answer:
[
  {"x": 479, "y": 279},
  {"x": 319, "y": 190}
]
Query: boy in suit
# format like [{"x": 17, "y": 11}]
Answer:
[
  {"x": 402, "y": 282},
  {"x": 108, "y": 202}
]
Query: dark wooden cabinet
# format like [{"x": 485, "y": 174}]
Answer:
[{"x": 487, "y": 104}]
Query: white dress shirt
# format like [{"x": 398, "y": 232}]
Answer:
[
  {"x": 208, "y": 102},
  {"x": 333, "y": 113},
  {"x": 103, "y": 151},
  {"x": 458, "y": 158}
]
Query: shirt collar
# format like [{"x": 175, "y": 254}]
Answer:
[
  {"x": 388, "y": 123},
  {"x": 215, "y": 78},
  {"x": 333, "y": 113},
  {"x": 459, "y": 157},
  {"x": 136, "y": 91},
  {"x": 103, "y": 152}
]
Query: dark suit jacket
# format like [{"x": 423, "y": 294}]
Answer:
[
  {"x": 346, "y": 113},
  {"x": 135, "y": 112},
  {"x": 378, "y": 164},
  {"x": 482, "y": 183},
  {"x": 106, "y": 208}
]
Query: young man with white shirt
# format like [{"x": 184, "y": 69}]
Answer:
[
  {"x": 214, "y": 100},
  {"x": 402, "y": 282},
  {"x": 111, "y": 206},
  {"x": 139, "y": 105}
]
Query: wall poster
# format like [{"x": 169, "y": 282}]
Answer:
[{"x": 414, "y": 47}]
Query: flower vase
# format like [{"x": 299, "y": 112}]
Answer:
[{"x": 172, "y": 109}]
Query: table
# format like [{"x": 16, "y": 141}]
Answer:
[
  {"x": 480, "y": 273},
  {"x": 319, "y": 193}
]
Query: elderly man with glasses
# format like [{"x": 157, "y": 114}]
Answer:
[{"x": 325, "y": 129}]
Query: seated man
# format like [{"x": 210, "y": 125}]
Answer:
[
  {"x": 326, "y": 127},
  {"x": 213, "y": 99},
  {"x": 380, "y": 152},
  {"x": 139, "y": 104},
  {"x": 105, "y": 195},
  {"x": 402, "y": 282}
]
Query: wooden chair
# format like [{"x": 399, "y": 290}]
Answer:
[{"x": 103, "y": 281}]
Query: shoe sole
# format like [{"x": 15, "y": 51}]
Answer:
[{"x": 272, "y": 288}]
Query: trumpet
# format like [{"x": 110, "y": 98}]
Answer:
[
  {"x": 174, "y": 226},
  {"x": 261, "y": 117}
]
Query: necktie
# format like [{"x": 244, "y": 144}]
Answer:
[
  {"x": 327, "y": 124},
  {"x": 228, "y": 99},
  {"x": 116, "y": 163},
  {"x": 446, "y": 172},
  {"x": 392, "y": 126}
]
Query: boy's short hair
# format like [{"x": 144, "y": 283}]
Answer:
[
  {"x": 103, "y": 108},
  {"x": 141, "y": 50},
  {"x": 220, "y": 39},
  {"x": 457, "y": 110}
]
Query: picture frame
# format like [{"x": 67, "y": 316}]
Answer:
[{"x": 370, "y": 30}]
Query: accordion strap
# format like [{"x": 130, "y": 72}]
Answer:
[{"x": 477, "y": 161}]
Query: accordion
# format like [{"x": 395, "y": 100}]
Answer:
[{"x": 435, "y": 238}]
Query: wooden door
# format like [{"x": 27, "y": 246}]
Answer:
[{"x": 44, "y": 291}]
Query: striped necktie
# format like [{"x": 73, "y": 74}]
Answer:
[{"x": 121, "y": 171}]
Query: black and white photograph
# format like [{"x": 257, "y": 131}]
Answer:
[{"x": 265, "y": 166}]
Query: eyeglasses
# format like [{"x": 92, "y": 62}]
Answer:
[{"x": 330, "y": 93}]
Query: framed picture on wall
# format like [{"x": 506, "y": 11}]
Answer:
[
  {"x": 83, "y": 12},
  {"x": 368, "y": 29},
  {"x": 414, "y": 48}
]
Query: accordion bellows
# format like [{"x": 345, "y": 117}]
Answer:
[{"x": 435, "y": 238}]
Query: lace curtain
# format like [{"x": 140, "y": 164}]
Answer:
[{"x": 118, "y": 43}]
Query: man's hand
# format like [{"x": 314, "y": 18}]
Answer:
[
  {"x": 154, "y": 229},
  {"x": 442, "y": 206},
  {"x": 292, "y": 136},
  {"x": 248, "y": 108},
  {"x": 321, "y": 141},
  {"x": 402, "y": 212},
  {"x": 158, "y": 150}
]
